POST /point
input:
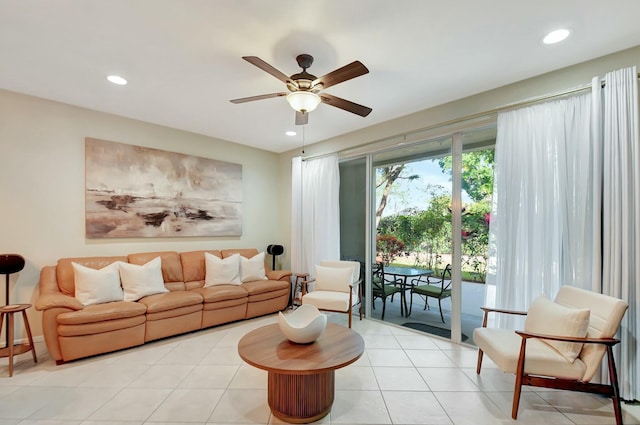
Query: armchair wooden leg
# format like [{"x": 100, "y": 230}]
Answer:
[
  {"x": 519, "y": 375},
  {"x": 350, "y": 312},
  {"x": 613, "y": 379},
  {"x": 479, "y": 366}
]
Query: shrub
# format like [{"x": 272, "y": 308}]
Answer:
[{"x": 388, "y": 247}]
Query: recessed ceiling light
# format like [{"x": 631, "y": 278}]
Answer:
[
  {"x": 556, "y": 36},
  {"x": 116, "y": 79},
  {"x": 290, "y": 133}
]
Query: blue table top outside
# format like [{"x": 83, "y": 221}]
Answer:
[{"x": 407, "y": 271}]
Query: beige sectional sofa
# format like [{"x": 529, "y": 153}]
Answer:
[{"x": 73, "y": 330}]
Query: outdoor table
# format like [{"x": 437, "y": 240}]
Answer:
[{"x": 405, "y": 273}]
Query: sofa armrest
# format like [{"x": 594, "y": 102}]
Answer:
[
  {"x": 50, "y": 295},
  {"x": 278, "y": 274},
  {"x": 48, "y": 301}
]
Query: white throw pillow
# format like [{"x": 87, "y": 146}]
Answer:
[
  {"x": 97, "y": 286},
  {"x": 222, "y": 271},
  {"x": 140, "y": 281},
  {"x": 252, "y": 268},
  {"x": 335, "y": 279},
  {"x": 549, "y": 318}
]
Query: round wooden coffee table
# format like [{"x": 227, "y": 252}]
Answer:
[{"x": 301, "y": 377}]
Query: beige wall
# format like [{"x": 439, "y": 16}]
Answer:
[
  {"x": 42, "y": 187},
  {"x": 375, "y": 136}
]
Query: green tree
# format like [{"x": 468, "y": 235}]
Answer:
[
  {"x": 385, "y": 178},
  {"x": 477, "y": 173},
  {"x": 424, "y": 232}
]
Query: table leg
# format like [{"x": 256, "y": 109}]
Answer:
[
  {"x": 404, "y": 313},
  {"x": 10, "y": 347},
  {"x": 29, "y": 336},
  {"x": 300, "y": 399}
]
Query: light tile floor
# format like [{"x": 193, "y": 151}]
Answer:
[{"x": 404, "y": 377}]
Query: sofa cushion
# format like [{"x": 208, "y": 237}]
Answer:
[
  {"x": 264, "y": 286},
  {"x": 102, "y": 313},
  {"x": 141, "y": 281},
  {"x": 549, "y": 318},
  {"x": 503, "y": 347},
  {"x": 65, "y": 274},
  {"x": 193, "y": 265},
  {"x": 328, "y": 300},
  {"x": 245, "y": 252},
  {"x": 222, "y": 271},
  {"x": 170, "y": 300},
  {"x": 252, "y": 268},
  {"x": 100, "y": 327},
  {"x": 217, "y": 293},
  {"x": 97, "y": 286},
  {"x": 171, "y": 264}
]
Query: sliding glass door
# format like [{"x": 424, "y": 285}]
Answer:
[{"x": 425, "y": 230}]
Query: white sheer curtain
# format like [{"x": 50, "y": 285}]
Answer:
[
  {"x": 621, "y": 214},
  {"x": 566, "y": 205},
  {"x": 315, "y": 212},
  {"x": 540, "y": 236}
]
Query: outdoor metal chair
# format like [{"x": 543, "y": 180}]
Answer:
[
  {"x": 383, "y": 288},
  {"x": 438, "y": 288}
]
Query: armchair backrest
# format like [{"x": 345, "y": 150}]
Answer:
[
  {"x": 335, "y": 279},
  {"x": 354, "y": 266},
  {"x": 604, "y": 321}
]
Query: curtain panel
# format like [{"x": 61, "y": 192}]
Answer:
[
  {"x": 620, "y": 213},
  {"x": 540, "y": 235},
  {"x": 315, "y": 212},
  {"x": 565, "y": 205}
]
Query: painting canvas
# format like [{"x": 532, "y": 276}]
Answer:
[{"x": 133, "y": 191}]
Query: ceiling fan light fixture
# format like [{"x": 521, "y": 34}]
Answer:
[{"x": 303, "y": 101}]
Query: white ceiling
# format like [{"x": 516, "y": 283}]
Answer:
[{"x": 183, "y": 58}]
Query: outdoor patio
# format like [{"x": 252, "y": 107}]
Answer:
[{"x": 473, "y": 297}]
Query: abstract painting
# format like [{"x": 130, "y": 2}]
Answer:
[{"x": 133, "y": 191}]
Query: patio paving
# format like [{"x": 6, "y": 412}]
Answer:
[{"x": 473, "y": 297}]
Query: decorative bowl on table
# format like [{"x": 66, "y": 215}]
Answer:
[{"x": 304, "y": 325}]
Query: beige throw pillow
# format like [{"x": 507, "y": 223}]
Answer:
[
  {"x": 252, "y": 268},
  {"x": 97, "y": 286},
  {"x": 141, "y": 281},
  {"x": 333, "y": 279},
  {"x": 222, "y": 271},
  {"x": 549, "y": 318}
]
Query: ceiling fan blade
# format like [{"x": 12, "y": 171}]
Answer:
[
  {"x": 347, "y": 105},
  {"x": 302, "y": 118},
  {"x": 269, "y": 69},
  {"x": 347, "y": 72},
  {"x": 260, "y": 97}
]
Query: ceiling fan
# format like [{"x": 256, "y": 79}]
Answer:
[{"x": 305, "y": 89}]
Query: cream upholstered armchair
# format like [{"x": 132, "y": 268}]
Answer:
[
  {"x": 562, "y": 346},
  {"x": 336, "y": 287}
]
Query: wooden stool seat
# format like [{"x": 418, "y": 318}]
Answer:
[{"x": 14, "y": 349}]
